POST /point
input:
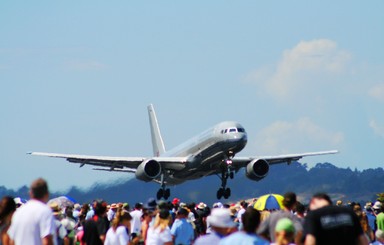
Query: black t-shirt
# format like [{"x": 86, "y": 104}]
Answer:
[
  {"x": 333, "y": 225},
  {"x": 102, "y": 224}
]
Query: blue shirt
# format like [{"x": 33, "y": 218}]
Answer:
[
  {"x": 182, "y": 231},
  {"x": 242, "y": 238},
  {"x": 211, "y": 238}
]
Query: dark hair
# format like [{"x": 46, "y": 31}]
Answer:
[
  {"x": 323, "y": 196},
  {"x": 244, "y": 204},
  {"x": 164, "y": 213},
  {"x": 7, "y": 206},
  {"x": 251, "y": 220},
  {"x": 300, "y": 208},
  {"x": 39, "y": 188},
  {"x": 138, "y": 206},
  {"x": 289, "y": 200},
  {"x": 100, "y": 207}
]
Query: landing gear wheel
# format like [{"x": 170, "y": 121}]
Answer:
[
  {"x": 231, "y": 175},
  {"x": 160, "y": 194},
  {"x": 227, "y": 193},
  {"x": 220, "y": 193},
  {"x": 167, "y": 193}
]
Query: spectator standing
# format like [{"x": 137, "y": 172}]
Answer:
[
  {"x": 243, "y": 206},
  {"x": 182, "y": 231},
  {"x": 61, "y": 232},
  {"x": 251, "y": 220},
  {"x": 379, "y": 234},
  {"x": 33, "y": 223},
  {"x": 378, "y": 207},
  {"x": 328, "y": 225},
  {"x": 370, "y": 215},
  {"x": 267, "y": 227},
  {"x": 112, "y": 212},
  {"x": 118, "y": 233},
  {"x": 221, "y": 225},
  {"x": 159, "y": 233},
  {"x": 136, "y": 220},
  {"x": 100, "y": 217},
  {"x": 284, "y": 232},
  {"x": 7, "y": 208},
  {"x": 146, "y": 219}
]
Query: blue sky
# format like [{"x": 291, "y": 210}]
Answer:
[{"x": 76, "y": 77}]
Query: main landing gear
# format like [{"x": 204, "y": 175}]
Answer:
[
  {"x": 226, "y": 172},
  {"x": 163, "y": 191}
]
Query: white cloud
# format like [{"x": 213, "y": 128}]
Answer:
[
  {"x": 306, "y": 65},
  {"x": 377, "y": 92},
  {"x": 85, "y": 65},
  {"x": 292, "y": 137},
  {"x": 377, "y": 128}
]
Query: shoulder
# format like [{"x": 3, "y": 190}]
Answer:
[{"x": 121, "y": 230}]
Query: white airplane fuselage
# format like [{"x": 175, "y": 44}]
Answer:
[{"x": 207, "y": 151}]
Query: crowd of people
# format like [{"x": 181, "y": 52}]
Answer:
[{"x": 174, "y": 222}]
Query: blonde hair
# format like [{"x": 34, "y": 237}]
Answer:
[
  {"x": 162, "y": 223},
  {"x": 120, "y": 215}
]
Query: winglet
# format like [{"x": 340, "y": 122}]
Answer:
[{"x": 157, "y": 141}]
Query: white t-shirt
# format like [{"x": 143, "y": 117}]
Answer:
[
  {"x": 136, "y": 221},
  {"x": 155, "y": 237},
  {"x": 32, "y": 222},
  {"x": 118, "y": 237}
]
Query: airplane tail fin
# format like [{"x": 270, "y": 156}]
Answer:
[{"x": 157, "y": 140}]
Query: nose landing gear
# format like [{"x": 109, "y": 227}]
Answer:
[{"x": 163, "y": 191}]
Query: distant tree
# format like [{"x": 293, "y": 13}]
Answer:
[{"x": 380, "y": 197}]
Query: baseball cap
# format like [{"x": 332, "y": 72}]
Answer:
[{"x": 285, "y": 224}]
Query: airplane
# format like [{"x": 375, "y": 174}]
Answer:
[{"x": 210, "y": 153}]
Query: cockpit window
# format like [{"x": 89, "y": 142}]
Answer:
[{"x": 232, "y": 130}]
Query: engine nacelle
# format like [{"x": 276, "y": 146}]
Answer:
[
  {"x": 148, "y": 170},
  {"x": 257, "y": 169}
]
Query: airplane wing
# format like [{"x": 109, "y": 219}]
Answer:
[
  {"x": 239, "y": 162},
  {"x": 119, "y": 164}
]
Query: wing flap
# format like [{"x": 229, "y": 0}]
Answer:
[
  {"x": 242, "y": 161},
  {"x": 168, "y": 163}
]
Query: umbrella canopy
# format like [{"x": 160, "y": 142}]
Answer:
[
  {"x": 269, "y": 201},
  {"x": 62, "y": 201}
]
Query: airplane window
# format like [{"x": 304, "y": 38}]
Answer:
[
  {"x": 240, "y": 130},
  {"x": 232, "y": 130}
]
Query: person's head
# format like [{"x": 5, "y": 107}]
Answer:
[
  {"x": 122, "y": 218},
  {"x": 300, "y": 209},
  {"x": 284, "y": 231},
  {"x": 138, "y": 206},
  {"x": 221, "y": 221},
  {"x": 289, "y": 200},
  {"x": 182, "y": 213},
  {"x": 377, "y": 207},
  {"x": 379, "y": 234},
  {"x": 319, "y": 200},
  {"x": 7, "y": 207},
  {"x": 151, "y": 204},
  {"x": 100, "y": 207},
  {"x": 56, "y": 210},
  {"x": 162, "y": 219},
  {"x": 243, "y": 204},
  {"x": 39, "y": 190},
  {"x": 146, "y": 216},
  {"x": 251, "y": 220}
]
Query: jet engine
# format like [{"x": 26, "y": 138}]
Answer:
[
  {"x": 148, "y": 170},
  {"x": 257, "y": 169}
]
